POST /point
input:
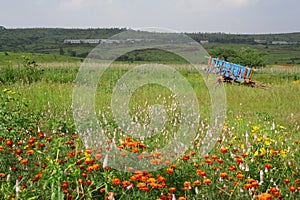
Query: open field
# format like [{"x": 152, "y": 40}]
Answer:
[{"x": 256, "y": 155}]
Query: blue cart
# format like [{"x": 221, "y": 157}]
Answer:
[{"x": 230, "y": 72}]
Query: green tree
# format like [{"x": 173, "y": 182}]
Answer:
[
  {"x": 224, "y": 53},
  {"x": 250, "y": 57},
  {"x": 245, "y": 56}
]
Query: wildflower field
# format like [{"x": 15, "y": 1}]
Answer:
[{"x": 256, "y": 155}]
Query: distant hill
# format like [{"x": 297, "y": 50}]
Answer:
[{"x": 79, "y": 42}]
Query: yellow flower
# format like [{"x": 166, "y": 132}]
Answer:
[
  {"x": 281, "y": 127},
  {"x": 242, "y": 146},
  {"x": 255, "y": 128},
  {"x": 262, "y": 150},
  {"x": 267, "y": 143},
  {"x": 259, "y": 139},
  {"x": 256, "y": 153},
  {"x": 11, "y": 92},
  {"x": 283, "y": 153},
  {"x": 5, "y": 90}
]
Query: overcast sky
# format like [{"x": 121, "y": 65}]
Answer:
[{"x": 230, "y": 16}]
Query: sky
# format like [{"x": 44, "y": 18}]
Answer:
[{"x": 228, "y": 16}]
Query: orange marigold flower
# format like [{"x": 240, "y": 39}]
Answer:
[
  {"x": 220, "y": 161},
  {"x": 64, "y": 185},
  {"x": 239, "y": 160},
  {"x": 186, "y": 188},
  {"x": 84, "y": 174},
  {"x": 89, "y": 161},
  {"x": 41, "y": 135},
  {"x": 223, "y": 150},
  {"x": 18, "y": 152},
  {"x": 1, "y": 148},
  {"x": 273, "y": 189},
  {"x": 161, "y": 179},
  {"x": 24, "y": 161},
  {"x": 208, "y": 161},
  {"x": 41, "y": 145},
  {"x": 89, "y": 182},
  {"x": 125, "y": 184},
  {"x": 102, "y": 190},
  {"x": 268, "y": 166},
  {"x": 172, "y": 189},
  {"x": 9, "y": 143},
  {"x": 287, "y": 181},
  {"x": 265, "y": 196},
  {"x": 30, "y": 152},
  {"x": 292, "y": 189},
  {"x": 240, "y": 176},
  {"x": 80, "y": 181},
  {"x": 89, "y": 168},
  {"x": 214, "y": 157},
  {"x": 135, "y": 150},
  {"x": 248, "y": 186},
  {"x": 232, "y": 168},
  {"x": 141, "y": 185},
  {"x": 187, "y": 184},
  {"x": 186, "y": 157},
  {"x": 19, "y": 143},
  {"x": 116, "y": 181},
  {"x": 96, "y": 167},
  {"x": 23, "y": 186},
  {"x": 207, "y": 181},
  {"x": 201, "y": 172},
  {"x": 13, "y": 169},
  {"x": 223, "y": 175},
  {"x": 141, "y": 145},
  {"x": 37, "y": 177},
  {"x": 2, "y": 175},
  {"x": 88, "y": 151},
  {"x": 170, "y": 170},
  {"x": 197, "y": 183},
  {"x": 255, "y": 184},
  {"x": 273, "y": 152},
  {"x": 182, "y": 198},
  {"x": 71, "y": 154},
  {"x": 145, "y": 189}
]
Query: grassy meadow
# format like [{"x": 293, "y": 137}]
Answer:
[{"x": 256, "y": 156}]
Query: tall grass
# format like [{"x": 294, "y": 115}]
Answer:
[{"x": 53, "y": 93}]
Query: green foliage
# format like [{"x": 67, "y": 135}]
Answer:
[
  {"x": 50, "y": 41},
  {"x": 151, "y": 55},
  {"x": 28, "y": 73},
  {"x": 14, "y": 111},
  {"x": 244, "y": 56},
  {"x": 250, "y": 57},
  {"x": 223, "y": 53}
]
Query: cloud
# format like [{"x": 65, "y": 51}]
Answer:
[
  {"x": 75, "y": 5},
  {"x": 239, "y": 3}
]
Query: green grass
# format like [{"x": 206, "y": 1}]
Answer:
[
  {"x": 13, "y": 58},
  {"x": 56, "y": 87},
  {"x": 261, "y": 129}
]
